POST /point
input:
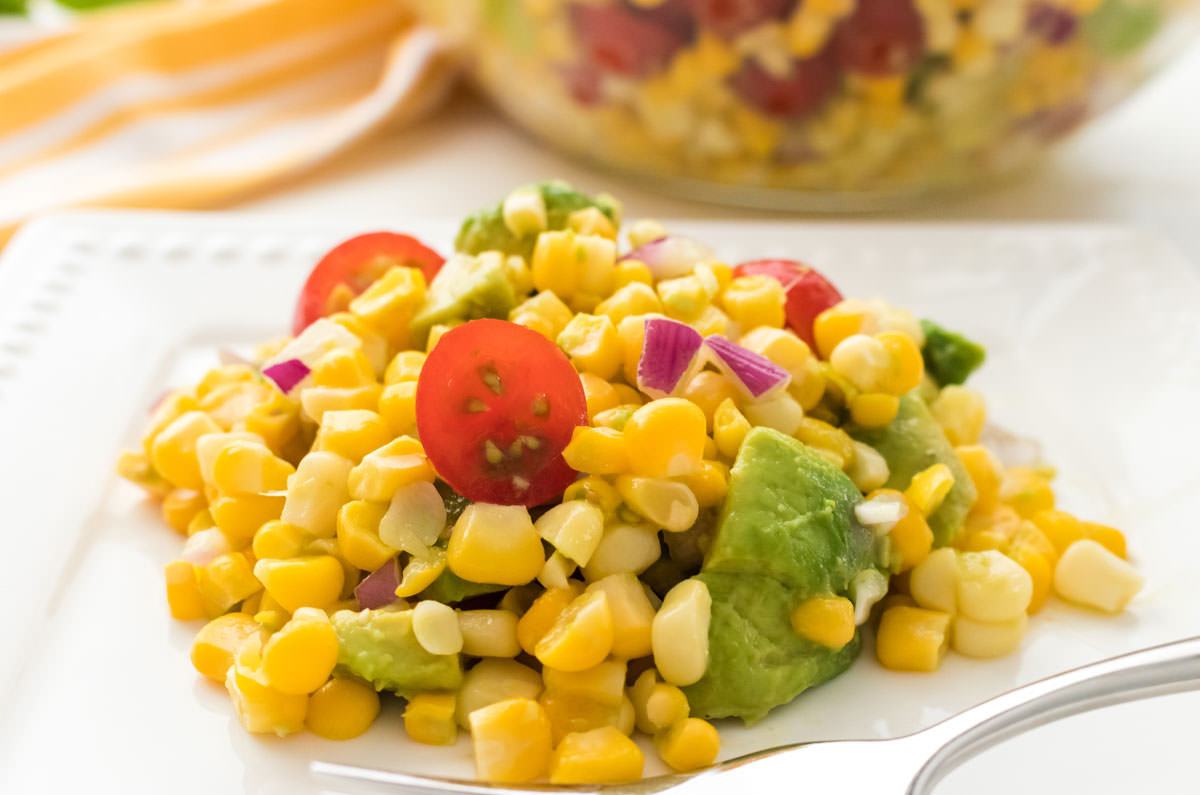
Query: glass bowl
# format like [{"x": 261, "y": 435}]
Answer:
[{"x": 827, "y": 105}]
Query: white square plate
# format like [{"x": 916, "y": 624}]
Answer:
[{"x": 1094, "y": 348}]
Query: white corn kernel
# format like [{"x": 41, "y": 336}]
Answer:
[
  {"x": 867, "y": 589},
  {"x": 316, "y": 492},
  {"x": 624, "y": 548},
  {"x": 489, "y": 633},
  {"x": 934, "y": 581},
  {"x": 574, "y": 528},
  {"x": 781, "y": 412},
  {"x": 435, "y": 626},
  {"x": 992, "y": 586},
  {"x": 679, "y": 634},
  {"x": 862, "y": 360},
  {"x": 632, "y": 614},
  {"x": 881, "y": 512},
  {"x": 870, "y": 469},
  {"x": 557, "y": 569},
  {"x": 494, "y": 680},
  {"x": 987, "y": 639},
  {"x": 525, "y": 211},
  {"x": 415, "y": 519},
  {"x": 668, "y": 504},
  {"x": 643, "y": 231},
  {"x": 1088, "y": 574}
]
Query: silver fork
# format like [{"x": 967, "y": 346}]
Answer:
[{"x": 908, "y": 765}]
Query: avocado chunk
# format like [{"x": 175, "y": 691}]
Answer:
[
  {"x": 450, "y": 588},
  {"x": 466, "y": 288},
  {"x": 787, "y": 532},
  {"x": 485, "y": 230},
  {"x": 914, "y": 442},
  {"x": 950, "y": 358},
  {"x": 789, "y": 514},
  {"x": 380, "y": 646},
  {"x": 756, "y": 661}
]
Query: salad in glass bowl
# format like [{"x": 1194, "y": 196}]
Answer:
[
  {"x": 555, "y": 491},
  {"x": 814, "y": 104}
]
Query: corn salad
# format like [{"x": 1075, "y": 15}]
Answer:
[{"x": 337, "y": 549}]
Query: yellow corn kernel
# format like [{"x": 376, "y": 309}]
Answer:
[
  {"x": 627, "y": 395},
  {"x": 173, "y": 453},
  {"x": 961, "y": 413},
  {"x": 929, "y": 487},
  {"x": 599, "y": 756},
  {"x": 549, "y": 308},
  {"x": 358, "y": 535},
  {"x": 489, "y": 633},
  {"x": 711, "y": 321},
  {"x": 243, "y": 467},
  {"x": 709, "y": 483},
  {"x": 240, "y": 517},
  {"x": 689, "y": 745},
  {"x": 988, "y": 639},
  {"x": 730, "y": 427},
  {"x": 911, "y": 537},
  {"x": 261, "y": 709},
  {"x": 568, "y": 713},
  {"x": 906, "y": 367},
  {"x": 352, "y": 434},
  {"x": 582, "y": 635},
  {"x": 873, "y": 409},
  {"x": 992, "y": 587},
  {"x": 597, "y": 491},
  {"x": 388, "y": 305},
  {"x": 912, "y": 639},
  {"x": 624, "y": 548},
  {"x": 1026, "y": 490},
  {"x": 317, "y": 401},
  {"x": 436, "y": 332},
  {"x": 934, "y": 581},
  {"x": 404, "y": 366},
  {"x": 543, "y": 614},
  {"x": 632, "y": 614},
  {"x": 224, "y": 582},
  {"x": 495, "y": 544},
  {"x": 512, "y": 741},
  {"x": 598, "y": 393},
  {"x": 225, "y": 375},
  {"x": 602, "y": 684},
  {"x": 300, "y": 657},
  {"x": 1110, "y": 538},
  {"x": 276, "y": 421},
  {"x": 316, "y": 492},
  {"x": 752, "y": 301},
  {"x": 398, "y": 408},
  {"x": 615, "y": 418},
  {"x": 679, "y": 634},
  {"x": 595, "y": 259},
  {"x": 573, "y": 528},
  {"x": 386, "y": 470},
  {"x": 708, "y": 390},
  {"x": 311, "y": 581},
  {"x": 668, "y": 504},
  {"x": 988, "y": 528},
  {"x": 201, "y": 521},
  {"x": 134, "y": 466},
  {"x": 635, "y": 298},
  {"x": 591, "y": 221},
  {"x": 685, "y": 297},
  {"x": 985, "y": 471},
  {"x": 781, "y": 346},
  {"x": 827, "y": 620},
  {"x": 870, "y": 470},
  {"x": 533, "y": 323},
  {"x": 429, "y": 718},
  {"x": 665, "y": 438},
  {"x": 342, "y": 709},
  {"x": 343, "y": 368},
  {"x": 1061, "y": 528},
  {"x": 632, "y": 331},
  {"x": 170, "y": 408},
  {"x": 183, "y": 595},
  {"x": 597, "y": 451},
  {"x": 780, "y": 412},
  {"x": 657, "y": 705},
  {"x": 1091, "y": 575},
  {"x": 277, "y": 539},
  {"x": 491, "y": 681},
  {"x": 216, "y": 645},
  {"x": 374, "y": 346},
  {"x": 593, "y": 345},
  {"x": 823, "y": 436},
  {"x": 181, "y": 506},
  {"x": 632, "y": 271},
  {"x": 836, "y": 324},
  {"x": 1040, "y": 570}
]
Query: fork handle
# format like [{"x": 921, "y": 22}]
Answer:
[{"x": 1156, "y": 671}]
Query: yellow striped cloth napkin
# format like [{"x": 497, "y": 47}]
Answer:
[{"x": 182, "y": 105}]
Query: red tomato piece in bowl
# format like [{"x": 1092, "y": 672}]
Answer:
[
  {"x": 807, "y": 292},
  {"x": 496, "y": 406},
  {"x": 352, "y": 266}
]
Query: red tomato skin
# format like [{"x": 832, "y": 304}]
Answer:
[
  {"x": 807, "y": 292},
  {"x": 527, "y": 365},
  {"x": 806, "y": 88},
  {"x": 625, "y": 41},
  {"x": 880, "y": 38},
  {"x": 356, "y": 263}
]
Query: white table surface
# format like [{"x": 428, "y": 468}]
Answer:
[{"x": 1139, "y": 165}]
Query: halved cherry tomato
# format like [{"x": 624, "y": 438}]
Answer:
[
  {"x": 624, "y": 41},
  {"x": 880, "y": 38},
  {"x": 352, "y": 266},
  {"x": 808, "y": 292},
  {"x": 496, "y": 405},
  {"x": 807, "y": 86}
]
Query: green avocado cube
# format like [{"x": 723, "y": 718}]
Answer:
[
  {"x": 466, "y": 288},
  {"x": 912, "y": 443},
  {"x": 950, "y": 358},
  {"x": 380, "y": 646}
]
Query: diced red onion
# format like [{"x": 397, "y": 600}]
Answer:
[
  {"x": 755, "y": 374},
  {"x": 378, "y": 589},
  {"x": 287, "y": 374},
  {"x": 671, "y": 256},
  {"x": 669, "y": 356}
]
